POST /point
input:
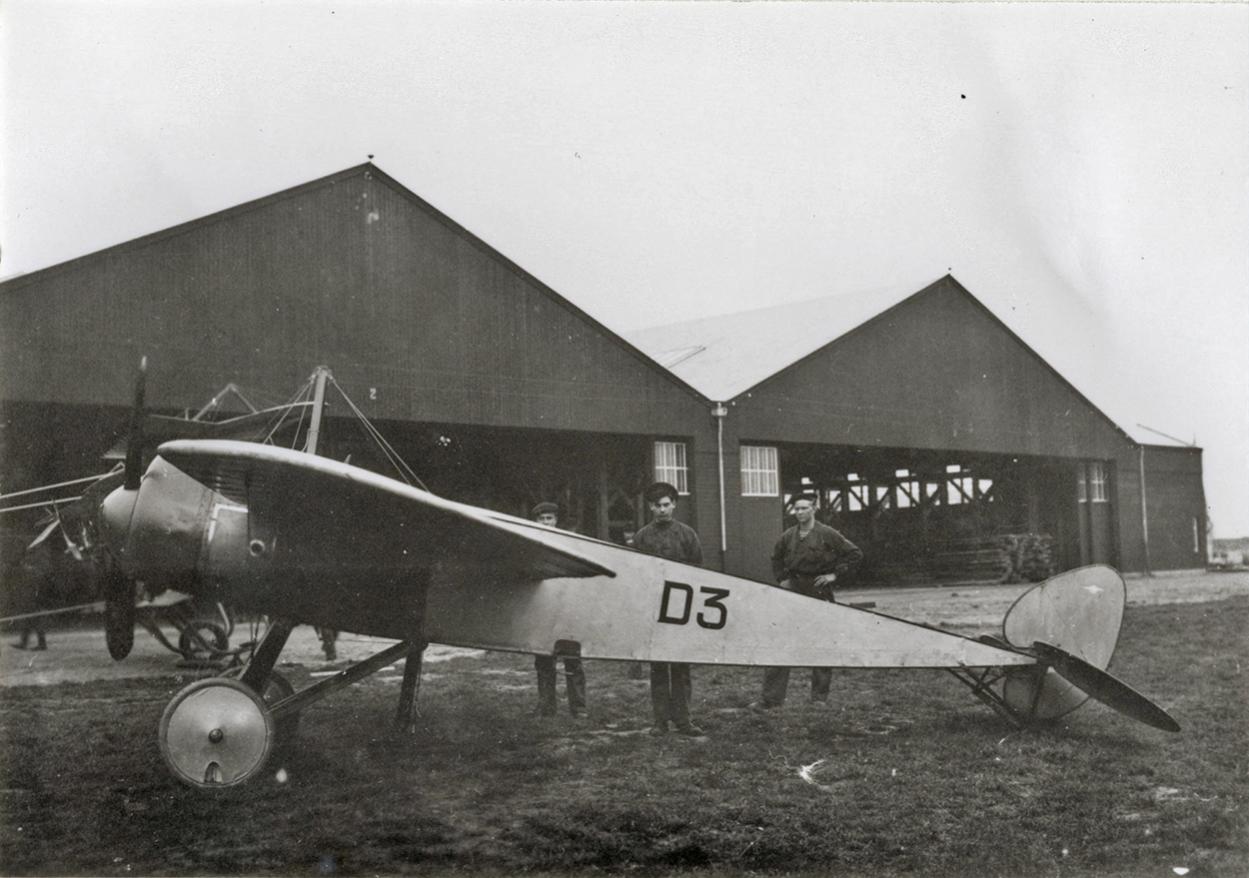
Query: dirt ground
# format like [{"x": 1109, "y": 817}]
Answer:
[
  {"x": 900, "y": 775},
  {"x": 77, "y": 653}
]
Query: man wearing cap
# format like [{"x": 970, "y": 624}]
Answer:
[
  {"x": 574, "y": 674},
  {"x": 669, "y": 538},
  {"x": 808, "y": 559}
]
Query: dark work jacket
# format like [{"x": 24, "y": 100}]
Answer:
[
  {"x": 672, "y": 540},
  {"x": 823, "y": 550}
]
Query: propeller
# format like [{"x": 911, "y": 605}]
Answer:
[
  {"x": 134, "y": 442},
  {"x": 115, "y": 513},
  {"x": 1104, "y": 687}
]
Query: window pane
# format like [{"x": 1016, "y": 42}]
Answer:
[
  {"x": 1097, "y": 482},
  {"x": 670, "y": 465},
  {"x": 760, "y": 471}
]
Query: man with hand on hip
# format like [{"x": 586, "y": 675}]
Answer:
[{"x": 807, "y": 559}]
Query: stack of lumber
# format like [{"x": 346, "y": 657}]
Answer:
[{"x": 969, "y": 559}]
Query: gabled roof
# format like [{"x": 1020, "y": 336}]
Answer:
[
  {"x": 371, "y": 171},
  {"x": 726, "y": 355}
]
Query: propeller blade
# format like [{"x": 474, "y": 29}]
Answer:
[
  {"x": 1107, "y": 689},
  {"x": 119, "y": 612},
  {"x": 134, "y": 440}
]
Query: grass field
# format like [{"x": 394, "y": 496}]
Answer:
[{"x": 916, "y": 779}]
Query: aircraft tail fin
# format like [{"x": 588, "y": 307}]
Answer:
[{"x": 1071, "y": 623}]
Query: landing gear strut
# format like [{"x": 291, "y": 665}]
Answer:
[{"x": 220, "y": 732}]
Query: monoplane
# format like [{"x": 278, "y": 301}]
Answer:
[{"x": 309, "y": 540}]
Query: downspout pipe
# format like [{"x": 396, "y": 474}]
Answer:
[
  {"x": 719, "y": 412},
  {"x": 1144, "y": 514}
]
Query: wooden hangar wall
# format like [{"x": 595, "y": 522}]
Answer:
[
  {"x": 932, "y": 431},
  {"x": 428, "y": 329},
  {"x": 1176, "y": 501},
  {"x": 499, "y": 390}
]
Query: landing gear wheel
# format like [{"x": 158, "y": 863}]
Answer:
[
  {"x": 202, "y": 640},
  {"x": 216, "y": 733},
  {"x": 277, "y": 687},
  {"x": 118, "y": 612}
]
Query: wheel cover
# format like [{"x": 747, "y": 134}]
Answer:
[
  {"x": 216, "y": 733},
  {"x": 277, "y": 687}
]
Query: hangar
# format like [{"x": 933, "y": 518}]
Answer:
[
  {"x": 936, "y": 438},
  {"x": 500, "y": 391}
]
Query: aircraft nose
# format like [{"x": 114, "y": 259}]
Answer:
[
  {"x": 155, "y": 531},
  {"x": 116, "y": 514}
]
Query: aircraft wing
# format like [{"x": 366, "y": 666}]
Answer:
[{"x": 333, "y": 519}]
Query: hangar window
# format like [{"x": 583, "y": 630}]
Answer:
[
  {"x": 1091, "y": 483},
  {"x": 857, "y": 494},
  {"x": 1097, "y": 482},
  {"x": 958, "y": 486},
  {"x": 908, "y": 489},
  {"x": 670, "y": 466},
  {"x": 760, "y": 471},
  {"x": 835, "y": 500}
]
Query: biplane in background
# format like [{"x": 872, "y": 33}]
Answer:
[
  {"x": 65, "y": 570},
  {"x": 308, "y": 540}
]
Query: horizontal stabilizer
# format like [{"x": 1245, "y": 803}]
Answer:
[{"x": 1106, "y": 688}]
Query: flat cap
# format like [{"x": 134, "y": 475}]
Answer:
[{"x": 659, "y": 490}]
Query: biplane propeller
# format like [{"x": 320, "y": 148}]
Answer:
[
  {"x": 77, "y": 519},
  {"x": 308, "y": 540}
]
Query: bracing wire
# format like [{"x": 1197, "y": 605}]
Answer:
[
  {"x": 300, "y": 397},
  {"x": 392, "y": 456},
  {"x": 285, "y": 409}
]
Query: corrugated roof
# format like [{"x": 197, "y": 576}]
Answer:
[{"x": 725, "y": 355}]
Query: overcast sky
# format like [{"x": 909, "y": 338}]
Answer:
[{"x": 1083, "y": 169}]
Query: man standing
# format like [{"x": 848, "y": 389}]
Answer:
[
  {"x": 807, "y": 559},
  {"x": 669, "y": 538},
  {"x": 547, "y": 514}
]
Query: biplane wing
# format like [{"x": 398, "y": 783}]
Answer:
[{"x": 251, "y": 427}]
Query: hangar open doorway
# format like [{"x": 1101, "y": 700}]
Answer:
[{"x": 925, "y": 516}]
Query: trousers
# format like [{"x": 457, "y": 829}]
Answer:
[
  {"x": 776, "y": 682},
  {"x": 670, "y": 693},
  {"x": 574, "y": 684}
]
